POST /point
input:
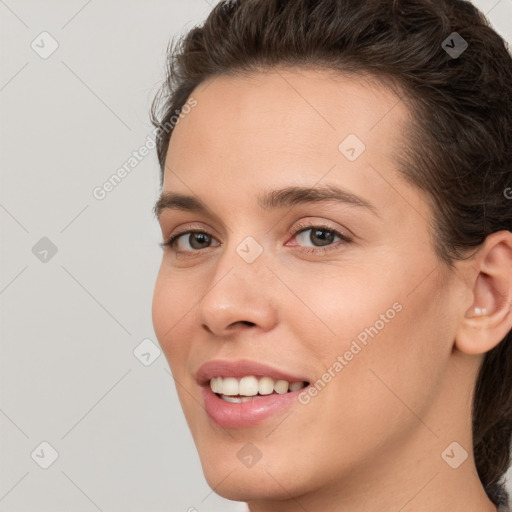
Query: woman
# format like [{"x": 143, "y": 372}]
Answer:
[{"x": 335, "y": 293}]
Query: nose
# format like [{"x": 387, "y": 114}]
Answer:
[{"x": 240, "y": 296}]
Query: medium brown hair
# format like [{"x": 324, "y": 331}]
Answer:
[{"x": 459, "y": 146}]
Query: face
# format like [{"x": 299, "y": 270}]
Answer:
[{"x": 345, "y": 294}]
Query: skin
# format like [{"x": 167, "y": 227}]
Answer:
[{"x": 372, "y": 439}]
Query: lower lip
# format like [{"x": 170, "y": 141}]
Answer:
[{"x": 246, "y": 414}]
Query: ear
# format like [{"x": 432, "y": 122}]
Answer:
[{"x": 489, "y": 319}]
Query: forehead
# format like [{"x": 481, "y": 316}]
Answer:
[
  {"x": 286, "y": 126},
  {"x": 301, "y": 110}
]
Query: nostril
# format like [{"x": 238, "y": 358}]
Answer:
[{"x": 244, "y": 322}]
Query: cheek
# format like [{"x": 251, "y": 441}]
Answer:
[
  {"x": 393, "y": 346},
  {"x": 171, "y": 310},
  {"x": 338, "y": 307}
]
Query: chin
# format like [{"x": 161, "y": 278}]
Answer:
[
  {"x": 252, "y": 484},
  {"x": 237, "y": 470}
]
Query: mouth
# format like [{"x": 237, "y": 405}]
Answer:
[
  {"x": 245, "y": 393},
  {"x": 252, "y": 387}
]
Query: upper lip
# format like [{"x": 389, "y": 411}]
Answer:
[{"x": 241, "y": 368}]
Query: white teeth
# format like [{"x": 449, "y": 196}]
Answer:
[
  {"x": 236, "y": 400},
  {"x": 251, "y": 386},
  {"x": 281, "y": 386},
  {"x": 294, "y": 386},
  {"x": 215, "y": 384},
  {"x": 229, "y": 386},
  {"x": 248, "y": 386},
  {"x": 266, "y": 386}
]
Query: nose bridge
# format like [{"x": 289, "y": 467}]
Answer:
[
  {"x": 240, "y": 269},
  {"x": 243, "y": 260},
  {"x": 239, "y": 290}
]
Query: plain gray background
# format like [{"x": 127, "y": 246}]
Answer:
[{"x": 77, "y": 273}]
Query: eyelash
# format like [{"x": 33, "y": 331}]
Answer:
[{"x": 300, "y": 228}]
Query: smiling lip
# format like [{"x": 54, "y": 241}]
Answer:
[
  {"x": 244, "y": 414},
  {"x": 242, "y": 368}
]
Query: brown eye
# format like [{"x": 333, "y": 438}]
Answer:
[
  {"x": 320, "y": 238},
  {"x": 196, "y": 240}
]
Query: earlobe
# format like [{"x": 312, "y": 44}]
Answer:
[{"x": 489, "y": 318}]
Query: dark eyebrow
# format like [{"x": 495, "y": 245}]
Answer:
[
  {"x": 293, "y": 196},
  {"x": 270, "y": 199}
]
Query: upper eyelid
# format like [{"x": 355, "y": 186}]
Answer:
[
  {"x": 191, "y": 229},
  {"x": 303, "y": 226},
  {"x": 198, "y": 226}
]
